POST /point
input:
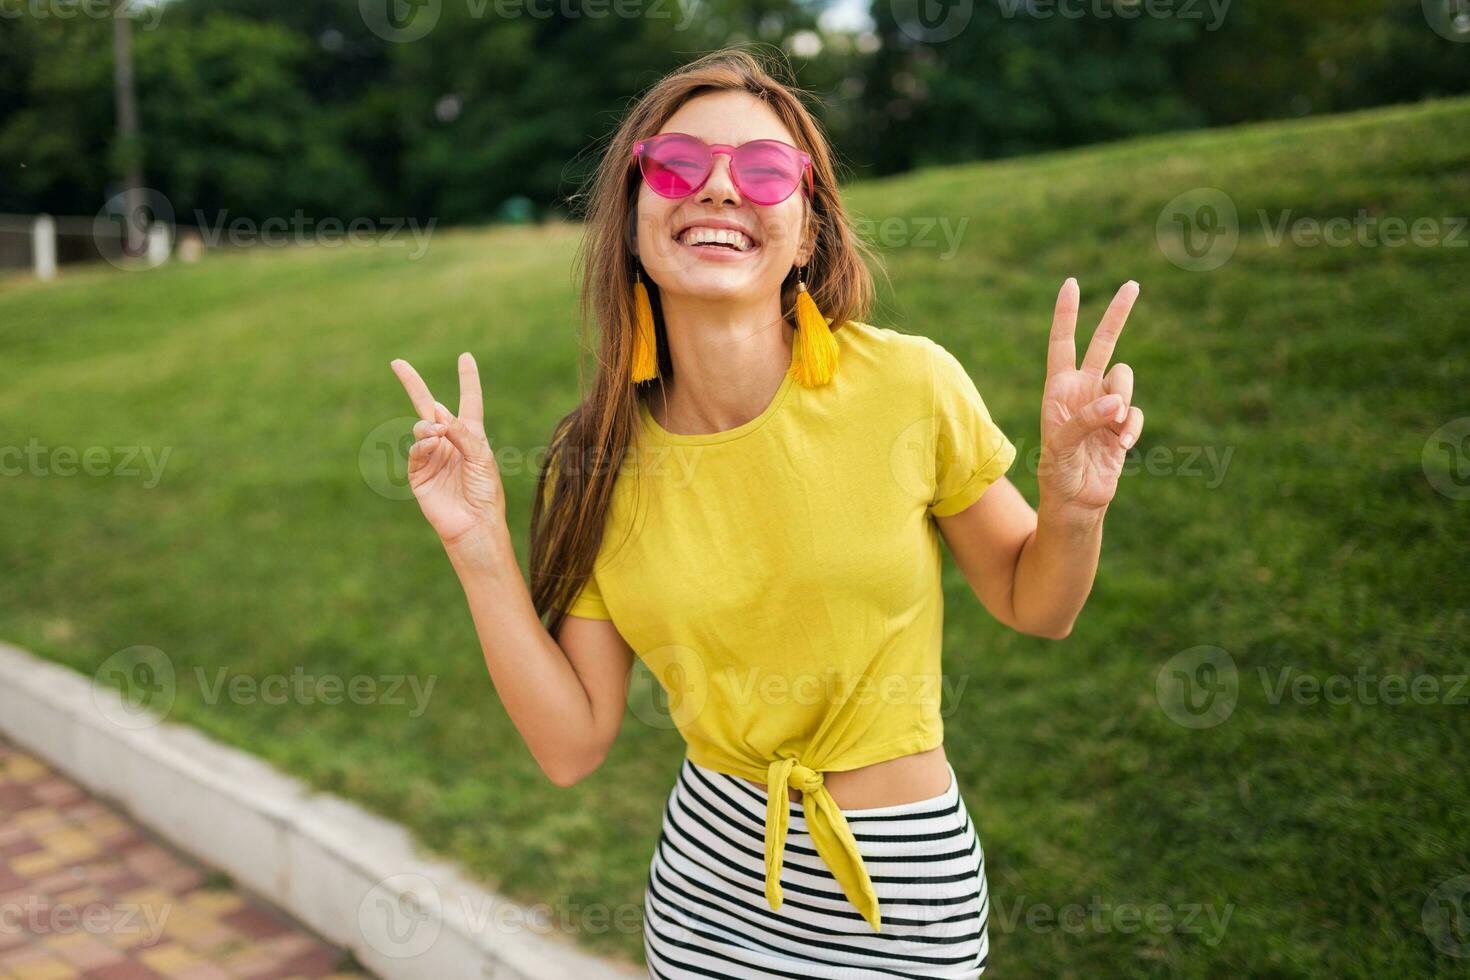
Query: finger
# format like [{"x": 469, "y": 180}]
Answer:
[
  {"x": 1132, "y": 428},
  {"x": 1094, "y": 415},
  {"x": 420, "y": 451},
  {"x": 470, "y": 445},
  {"x": 1119, "y": 381},
  {"x": 1105, "y": 338},
  {"x": 1061, "y": 350},
  {"x": 418, "y": 392},
  {"x": 424, "y": 428},
  {"x": 471, "y": 404}
]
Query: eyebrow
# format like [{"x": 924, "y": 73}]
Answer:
[{"x": 684, "y": 132}]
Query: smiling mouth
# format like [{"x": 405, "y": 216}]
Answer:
[{"x": 722, "y": 239}]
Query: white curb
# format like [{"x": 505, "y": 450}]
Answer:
[{"x": 348, "y": 874}]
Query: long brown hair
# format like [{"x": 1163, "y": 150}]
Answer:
[{"x": 588, "y": 444}]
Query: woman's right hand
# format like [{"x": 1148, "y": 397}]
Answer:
[{"x": 450, "y": 467}]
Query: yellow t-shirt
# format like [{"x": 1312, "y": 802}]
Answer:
[{"x": 782, "y": 578}]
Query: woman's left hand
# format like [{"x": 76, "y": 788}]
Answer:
[{"x": 1088, "y": 421}]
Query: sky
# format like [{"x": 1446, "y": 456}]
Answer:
[{"x": 846, "y": 15}]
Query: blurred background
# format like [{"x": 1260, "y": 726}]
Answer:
[
  {"x": 220, "y": 220},
  {"x": 466, "y": 111}
]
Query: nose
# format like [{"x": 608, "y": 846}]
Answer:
[{"x": 720, "y": 186}]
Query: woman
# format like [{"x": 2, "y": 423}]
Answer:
[{"x": 768, "y": 543}]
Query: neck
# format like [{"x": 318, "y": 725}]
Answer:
[{"x": 728, "y": 363}]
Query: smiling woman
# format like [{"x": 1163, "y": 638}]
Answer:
[{"x": 794, "y": 550}]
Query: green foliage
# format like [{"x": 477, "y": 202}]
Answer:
[
  {"x": 230, "y": 127},
  {"x": 1030, "y": 75},
  {"x": 56, "y": 114},
  {"x": 264, "y": 107}
]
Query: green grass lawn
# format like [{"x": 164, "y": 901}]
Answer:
[{"x": 1279, "y": 507}]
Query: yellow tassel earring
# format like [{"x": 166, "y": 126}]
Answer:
[
  {"x": 645, "y": 341},
  {"x": 816, "y": 359}
]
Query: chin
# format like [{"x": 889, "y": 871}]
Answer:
[{"x": 718, "y": 284}]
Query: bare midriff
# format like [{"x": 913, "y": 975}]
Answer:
[{"x": 920, "y": 776}]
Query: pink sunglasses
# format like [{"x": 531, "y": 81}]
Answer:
[{"x": 765, "y": 172}]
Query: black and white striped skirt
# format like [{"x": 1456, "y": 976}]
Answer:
[{"x": 706, "y": 914}]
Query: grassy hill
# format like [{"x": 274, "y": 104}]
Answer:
[{"x": 1290, "y": 504}]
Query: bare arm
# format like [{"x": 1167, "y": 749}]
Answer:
[
  {"x": 1031, "y": 573},
  {"x": 565, "y": 695},
  {"x": 1034, "y": 569}
]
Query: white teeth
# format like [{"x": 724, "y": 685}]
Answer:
[{"x": 699, "y": 235}]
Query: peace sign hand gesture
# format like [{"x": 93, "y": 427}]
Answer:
[
  {"x": 1087, "y": 420},
  {"x": 450, "y": 466}
]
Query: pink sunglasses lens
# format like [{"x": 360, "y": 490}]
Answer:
[
  {"x": 675, "y": 167},
  {"x": 767, "y": 172}
]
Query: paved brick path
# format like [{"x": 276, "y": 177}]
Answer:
[{"x": 84, "y": 892}]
